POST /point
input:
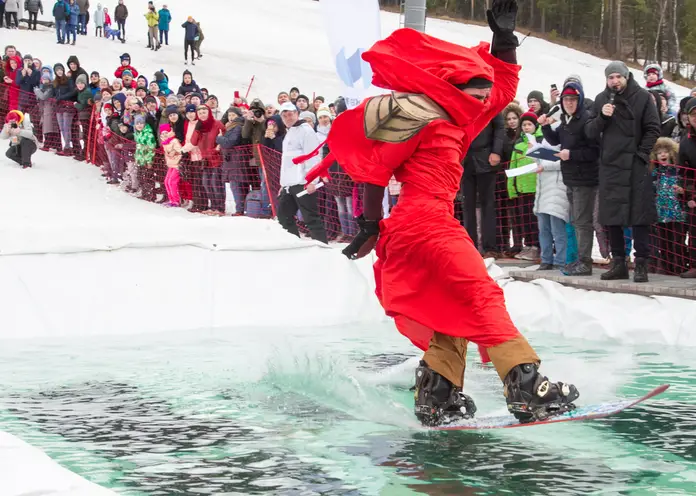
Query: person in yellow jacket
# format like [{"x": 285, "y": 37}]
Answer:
[{"x": 152, "y": 18}]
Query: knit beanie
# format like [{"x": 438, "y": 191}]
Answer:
[
  {"x": 165, "y": 128},
  {"x": 617, "y": 67},
  {"x": 536, "y": 95},
  {"x": 94, "y": 73},
  {"x": 324, "y": 112},
  {"x": 127, "y": 72},
  {"x": 307, "y": 113},
  {"x": 108, "y": 106},
  {"x": 302, "y": 97},
  {"x": 190, "y": 108},
  {"x": 81, "y": 79},
  {"x": 573, "y": 78},
  {"x": 171, "y": 109},
  {"x": 529, "y": 116},
  {"x": 139, "y": 119},
  {"x": 235, "y": 110}
]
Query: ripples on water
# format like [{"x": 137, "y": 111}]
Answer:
[{"x": 125, "y": 416}]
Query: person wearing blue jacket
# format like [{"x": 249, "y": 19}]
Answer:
[
  {"x": 191, "y": 33},
  {"x": 73, "y": 19},
  {"x": 165, "y": 18},
  {"x": 61, "y": 13}
]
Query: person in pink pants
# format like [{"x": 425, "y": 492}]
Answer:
[{"x": 172, "y": 157}]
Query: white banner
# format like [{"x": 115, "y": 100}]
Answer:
[{"x": 352, "y": 27}]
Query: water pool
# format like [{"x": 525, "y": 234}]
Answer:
[{"x": 327, "y": 411}]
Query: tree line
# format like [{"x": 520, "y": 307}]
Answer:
[{"x": 641, "y": 31}]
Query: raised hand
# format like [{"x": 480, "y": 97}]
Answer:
[{"x": 502, "y": 16}]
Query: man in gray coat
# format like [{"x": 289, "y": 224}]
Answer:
[
  {"x": 626, "y": 122},
  {"x": 33, "y": 7}
]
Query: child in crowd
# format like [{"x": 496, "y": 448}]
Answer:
[
  {"x": 669, "y": 230},
  {"x": 172, "y": 156},
  {"x": 145, "y": 145},
  {"x": 84, "y": 111},
  {"x": 124, "y": 157},
  {"x": 524, "y": 187},
  {"x": 47, "y": 111}
]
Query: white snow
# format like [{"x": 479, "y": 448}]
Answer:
[
  {"x": 27, "y": 471},
  {"x": 78, "y": 257}
]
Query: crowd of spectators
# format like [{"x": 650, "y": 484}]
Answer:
[{"x": 605, "y": 173}]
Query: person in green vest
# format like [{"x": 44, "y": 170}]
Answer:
[{"x": 523, "y": 188}]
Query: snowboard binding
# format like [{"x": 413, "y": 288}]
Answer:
[
  {"x": 532, "y": 397},
  {"x": 438, "y": 401}
]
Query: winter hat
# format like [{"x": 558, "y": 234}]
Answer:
[
  {"x": 190, "y": 108},
  {"x": 172, "y": 100},
  {"x": 617, "y": 67},
  {"x": 295, "y": 88},
  {"x": 94, "y": 73},
  {"x": 28, "y": 57},
  {"x": 573, "y": 78},
  {"x": 125, "y": 56},
  {"x": 159, "y": 76},
  {"x": 171, "y": 109},
  {"x": 139, "y": 119},
  {"x": 97, "y": 97},
  {"x": 127, "y": 72},
  {"x": 536, "y": 95},
  {"x": 690, "y": 106},
  {"x": 212, "y": 97},
  {"x": 187, "y": 72},
  {"x": 165, "y": 128},
  {"x": 236, "y": 110},
  {"x": 108, "y": 106},
  {"x": 683, "y": 102},
  {"x": 324, "y": 112},
  {"x": 81, "y": 79},
  {"x": 307, "y": 113},
  {"x": 475, "y": 83},
  {"x": 195, "y": 93},
  {"x": 320, "y": 98},
  {"x": 529, "y": 116},
  {"x": 150, "y": 99},
  {"x": 302, "y": 97},
  {"x": 14, "y": 116}
]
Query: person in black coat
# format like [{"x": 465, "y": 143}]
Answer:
[
  {"x": 234, "y": 162},
  {"x": 687, "y": 159},
  {"x": 28, "y": 79},
  {"x": 478, "y": 183},
  {"x": 188, "y": 85},
  {"x": 627, "y": 124},
  {"x": 65, "y": 94},
  {"x": 580, "y": 168}
]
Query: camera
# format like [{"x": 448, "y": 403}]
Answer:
[{"x": 258, "y": 113}]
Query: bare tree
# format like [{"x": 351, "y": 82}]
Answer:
[
  {"x": 675, "y": 32},
  {"x": 663, "y": 9},
  {"x": 618, "y": 29}
]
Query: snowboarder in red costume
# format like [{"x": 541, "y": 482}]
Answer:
[{"x": 430, "y": 277}]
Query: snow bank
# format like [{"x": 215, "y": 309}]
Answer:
[
  {"x": 27, "y": 471},
  {"x": 79, "y": 257},
  {"x": 549, "y": 307}
]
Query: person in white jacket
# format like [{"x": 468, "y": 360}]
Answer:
[
  {"x": 20, "y": 131},
  {"x": 12, "y": 9},
  {"x": 299, "y": 140},
  {"x": 99, "y": 21},
  {"x": 552, "y": 209}
]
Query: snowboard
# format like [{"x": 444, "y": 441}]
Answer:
[{"x": 591, "y": 412}]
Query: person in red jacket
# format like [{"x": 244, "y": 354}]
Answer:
[
  {"x": 125, "y": 64},
  {"x": 429, "y": 275},
  {"x": 207, "y": 129},
  {"x": 13, "y": 66}
]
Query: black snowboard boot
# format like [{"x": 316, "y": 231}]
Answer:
[
  {"x": 531, "y": 396},
  {"x": 438, "y": 401},
  {"x": 617, "y": 270},
  {"x": 640, "y": 272}
]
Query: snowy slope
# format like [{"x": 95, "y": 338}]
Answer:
[{"x": 283, "y": 43}]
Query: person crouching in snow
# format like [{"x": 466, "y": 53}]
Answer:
[
  {"x": 19, "y": 130},
  {"x": 145, "y": 144},
  {"x": 172, "y": 156}
]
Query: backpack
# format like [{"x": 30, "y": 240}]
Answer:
[{"x": 254, "y": 206}]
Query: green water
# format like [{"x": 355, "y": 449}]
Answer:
[{"x": 327, "y": 411}]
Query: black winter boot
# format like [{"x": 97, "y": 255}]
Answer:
[
  {"x": 617, "y": 270},
  {"x": 438, "y": 401},
  {"x": 640, "y": 273},
  {"x": 531, "y": 397}
]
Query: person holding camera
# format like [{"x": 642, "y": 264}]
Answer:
[
  {"x": 19, "y": 130},
  {"x": 254, "y": 128}
]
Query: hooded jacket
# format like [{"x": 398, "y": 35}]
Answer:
[
  {"x": 188, "y": 88},
  {"x": 98, "y": 16},
  {"x": 61, "y": 11},
  {"x": 121, "y": 12},
  {"x": 165, "y": 18},
  {"x": 80, "y": 70},
  {"x": 582, "y": 168}
]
